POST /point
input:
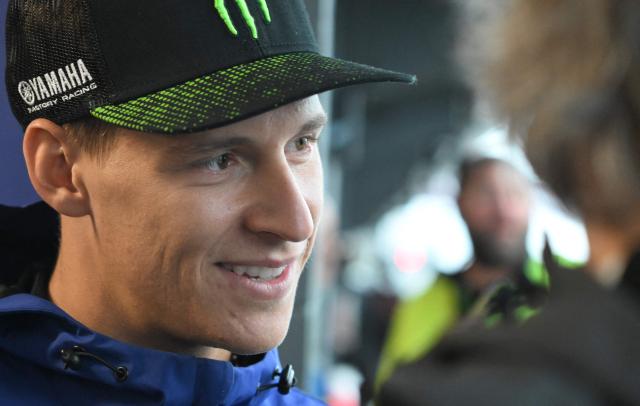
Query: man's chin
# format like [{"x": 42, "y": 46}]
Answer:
[
  {"x": 256, "y": 340},
  {"x": 253, "y": 348},
  {"x": 254, "y": 331}
]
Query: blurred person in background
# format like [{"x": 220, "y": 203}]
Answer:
[
  {"x": 494, "y": 202},
  {"x": 565, "y": 74}
]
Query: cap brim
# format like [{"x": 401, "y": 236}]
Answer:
[{"x": 239, "y": 92}]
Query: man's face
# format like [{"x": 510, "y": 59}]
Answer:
[
  {"x": 495, "y": 206},
  {"x": 204, "y": 236}
]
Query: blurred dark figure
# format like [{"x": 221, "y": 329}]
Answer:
[
  {"x": 566, "y": 75},
  {"x": 494, "y": 201}
]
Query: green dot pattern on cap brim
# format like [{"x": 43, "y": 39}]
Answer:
[{"x": 239, "y": 92}]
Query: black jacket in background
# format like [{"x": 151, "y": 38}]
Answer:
[
  {"x": 29, "y": 241},
  {"x": 582, "y": 349}
]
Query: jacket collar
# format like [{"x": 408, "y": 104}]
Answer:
[{"x": 36, "y": 330}]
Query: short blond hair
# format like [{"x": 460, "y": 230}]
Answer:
[{"x": 93, "y": 136}]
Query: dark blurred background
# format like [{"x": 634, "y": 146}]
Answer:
[
  {"x": 15, "y": 188},
  {"x": 383, "y": 131}
]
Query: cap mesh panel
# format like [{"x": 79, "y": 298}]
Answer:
[{"x": 44, "y": 36}]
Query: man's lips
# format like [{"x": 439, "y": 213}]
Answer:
[{"x": 258, "y": 270}]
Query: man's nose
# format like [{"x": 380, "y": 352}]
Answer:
[{"x": 279, "y": 206}]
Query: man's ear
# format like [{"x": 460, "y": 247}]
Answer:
[{"x": 51, "y": 161}]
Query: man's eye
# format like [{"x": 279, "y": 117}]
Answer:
[
  {"x": 219, "y": 163},
  {"x": 304, "y": 143}
]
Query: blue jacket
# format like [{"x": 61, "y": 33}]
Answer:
[{"x": 48, "y": 358}]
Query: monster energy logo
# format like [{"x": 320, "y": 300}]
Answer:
[{"x": 246, "y": 14}]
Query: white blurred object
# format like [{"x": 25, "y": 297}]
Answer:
[
  {"x": 566, "y": 233},
  {"x": 343, "y": 386},
  {"x": 494, "y": 142},
  {"x": 419, "y": 239}
]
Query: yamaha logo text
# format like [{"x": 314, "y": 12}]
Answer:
[{"x": 57, "y": 86}]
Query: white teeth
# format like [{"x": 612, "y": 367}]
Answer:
[{"x": 258, "y": 272}]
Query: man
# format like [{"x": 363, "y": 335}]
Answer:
[
  {"x": 494, "y": 202},
  {"x": 177, "y": 141}
]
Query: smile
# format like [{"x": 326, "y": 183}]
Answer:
[{"x": 258, "y": 273}]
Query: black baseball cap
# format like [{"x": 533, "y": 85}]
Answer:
[{"x": 167, "y": 66}]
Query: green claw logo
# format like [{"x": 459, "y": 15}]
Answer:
[{"x": 246, "y": 14}]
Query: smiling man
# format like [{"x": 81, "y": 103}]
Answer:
[{"x": 174, "y": 144}]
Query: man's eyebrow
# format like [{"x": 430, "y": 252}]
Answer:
[
  {"x": 233, "y": 140},
  {"x": 314, "y": 124},
  {"x": 213, "y": 144}
]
